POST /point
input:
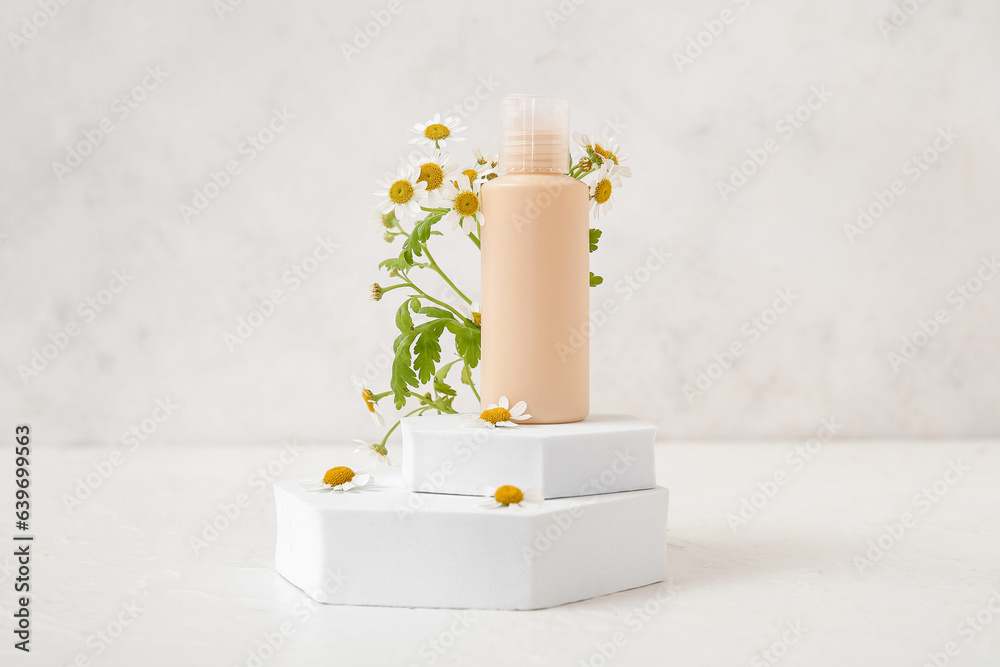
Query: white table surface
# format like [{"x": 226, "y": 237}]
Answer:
[{"x": 732, "y": 596}]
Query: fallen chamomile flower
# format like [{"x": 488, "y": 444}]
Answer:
[
  {"x": 511, "y": 496},
  {"x": 340, "y": 478},
  {"x": 376, "y": 450},
  {"x": 437, "y": 132},
  {"x": 498, "y": 414}
]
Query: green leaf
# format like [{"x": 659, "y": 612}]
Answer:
[
  {"x": 399, "y": 341},
  {"x": 431, "y": 311},
  {"x": 468, "y": 342},
  {"x": 440, "y": 386},
  {"x": 414, "y": 304},
  {"x": 398, "y": 263},
  {"x": 595, "y": 280},
  {"x": 595, "y": 236},
  {"x": 403, "y": 320},
  {"x": 427, "y": 349},
  {"x": 402, "y": 373},
  {"x": 466, "y": 375}
]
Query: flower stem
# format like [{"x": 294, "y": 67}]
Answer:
[
  {"x": 434, "y": 265},
  {"x": 430, "y": 298},
  {"x": 385, "y": 438},
  {"x": 431, "y": 403}
]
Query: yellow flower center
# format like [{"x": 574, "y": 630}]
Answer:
[
  {"x": 466, "y": 203},
  {"x": 605, "y": 153},
  {"x": 602, "y": 192},
  {"x": 337, "y": 476},
  {"x": 477, "y": 318},
  {"x": 495, "y": 415},
  {"x": 401, "y": 192},
  {"x": 437, "y": 131},
  {"x": 431, "y": 174},
  {"x": 366, "y": 396},
  {"x": 472, "y": 174},
  {"x": 508, "y": 495}
]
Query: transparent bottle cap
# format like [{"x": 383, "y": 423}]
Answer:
[{"x": 534, "y": 134}]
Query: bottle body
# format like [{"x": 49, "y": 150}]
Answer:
[{"x": 536, "y": 295}]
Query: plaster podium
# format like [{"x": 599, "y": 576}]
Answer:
[{"x": 589, "y": 519}]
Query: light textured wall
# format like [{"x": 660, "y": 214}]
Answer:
[{"x": 884, "y": 99}]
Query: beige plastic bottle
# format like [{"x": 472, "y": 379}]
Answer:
[{"x": 536, "y": 268}]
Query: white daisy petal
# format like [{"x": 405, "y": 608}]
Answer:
[
  {"x": 521, "y": 417},
  {"x": 503, "y": 402},
  {"x": 518, "y": 408}
]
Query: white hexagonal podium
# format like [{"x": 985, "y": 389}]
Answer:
[
  {"x": 601, "y": 454},
  {"x": 385, "y": 545}
]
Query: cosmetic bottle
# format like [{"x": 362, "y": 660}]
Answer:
[{"x": 536, "y": 268}]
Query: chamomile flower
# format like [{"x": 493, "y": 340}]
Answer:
[
  {"x": 470, "y": 175},
  {"x": 369, "y": 398},
  {"x": 605, "y": 150},
  {"x": 464, "y": 206},
  {"x": 472, "y": 312},
  {"x": 375, "y": 450},
  {"x": 340, "y": 478},
  {"x": 512, "y": 496},
  {"x": 602, "y": 188},
  {"x": 435, "y": 172},
  {"x": 403, "y": 194},
  {"x": 437, "y": 132},
  {"x": 498, "y": 414},
  {"x": 488, "y": 160}
]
